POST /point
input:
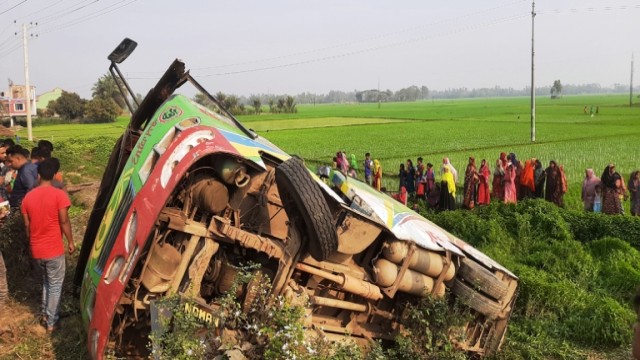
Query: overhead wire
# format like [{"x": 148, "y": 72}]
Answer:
[
  {"x": 8, "y": 26},
  {"x": 10, "y": 51},
  {"x": 57, "y": 16},
  {"x": 8, "y": 42},
  {"x": 375, "y": 48},
  {"x": 589, "y": 9},
  {"x": 40, "y": 10},
  {"x": 356, "y": 42},
  {"x": 350, "y": 43},
  {"x": 13, "y": 7},
  {"x": 359, "y": 51},
  {"x": 90, "y": 16}
]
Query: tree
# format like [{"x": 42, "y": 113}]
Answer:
[
  {"x": 556, "y": 89},
  {"x": 101, "y": 110},
  {"x": 221, "y": 97},
  {"x": 204, "y": 100},
  {"x": 424, "y": 92},
  {"x": 69, "y": 106},
  {"x": 107, "y": 88},
  {"x": 257, "y": 105},
  {"x": 290, "y": 105},
  {"x": 272, "y": 106}
]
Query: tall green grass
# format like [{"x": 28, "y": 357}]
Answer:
[{"x": 578, "y": 272}]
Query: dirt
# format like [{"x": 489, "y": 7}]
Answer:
[
  {"x": 84, "y": 195},
  {"x": 21, "y": 335}
]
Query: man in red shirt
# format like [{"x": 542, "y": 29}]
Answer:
[{"x": 46, "y": 217}]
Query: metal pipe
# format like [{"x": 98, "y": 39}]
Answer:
[
  {"x": 186, "y": 258},
  {"x": 124, "y": 94},
  {"x": 423, "y": 261},
  {"x": 340, "y": 304},
  {"x": 346, "y": 282},
  {"x": 412, "y": 282}
]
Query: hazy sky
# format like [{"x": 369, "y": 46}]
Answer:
[{"x": 246, "y": 47}]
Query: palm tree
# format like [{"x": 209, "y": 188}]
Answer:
[
  {"x": 290, "y": 105},
  {"x": 106, "y": 88},
  {"x": 257, "y": 105},
  {"x": 272, "y": 106}
]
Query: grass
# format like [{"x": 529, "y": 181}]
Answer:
[
  {"x": 577, "y": 270},
  {"x": 434, "y": 129}
]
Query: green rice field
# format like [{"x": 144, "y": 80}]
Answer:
[{"x": 395, "y": 132}]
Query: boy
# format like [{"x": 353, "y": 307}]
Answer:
[
  {"x": 27, "y": 174},
  {"x": 46, "y": 218},
  {"x": 368, "y": 165}
]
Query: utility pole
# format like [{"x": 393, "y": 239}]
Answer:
[
  {"x": 533, "y": 84},
  {"x": 378, "y": 92},
  {"x": 26, "y": 82},
  {"x": 631, "y": 86}
]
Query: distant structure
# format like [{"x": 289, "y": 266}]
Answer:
[
  {"x": 13, "y": 102},
  {"x": 45, "y": 98}
]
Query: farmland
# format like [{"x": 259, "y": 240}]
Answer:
[{"x": 457, "y": 129}]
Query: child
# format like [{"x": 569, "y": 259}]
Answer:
[{"x": 597, "y": 201}]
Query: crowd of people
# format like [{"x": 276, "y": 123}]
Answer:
[
  {"x": 510, "y": 180},
  {"x": 32, "y": 186}
]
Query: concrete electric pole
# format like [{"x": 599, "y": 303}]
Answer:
[
  {"x": 631, "y": 85},
  {"x": 26, "y": 82},
  {"x": 533, "y": 84}
]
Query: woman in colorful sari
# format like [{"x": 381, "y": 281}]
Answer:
[
  {"x": 402, "y": 177},
  {"x": 452, "y": 170},
  {"x": 510, "y": 184},
  {"x": 527, "y": 180},
  {"x": 470, "y": 180},
  {"x": 342, "y": 162},
  {"x": 634, "y": 189},
  {"x": 447, "y": 190},
  {"x": 483, "y": 185},
  {"x": 503, "y": 160},
  {"x": 411, "y": 178},
  {"x": 554, "y": 184},
  {"x": 562, "y": 189},
  {"x": 589, "y": 189},
  {"x": 517, "y": 165},
  {"x": 377, "y": 174},
  {"x": 539, "y": 177},
  {"x": 498, "y": 181},
  {"x": 421, "y": 179},
  {"x": 353, "y": 163},
  {"x": 611, "y": 181}
]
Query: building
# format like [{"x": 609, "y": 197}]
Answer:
[
  {"x": 45, "y": 98},
  {"x": 14, "y": 102}
]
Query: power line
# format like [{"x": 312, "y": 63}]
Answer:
[
  {"x": 589, "y": 9},
  {"x": 7, "y": 43},
  {"x": 64, "y": 12},
  {"x": 90, "y": 16},
  {"x": 360, "y": 51},
  {"x": 355, "y": 42},
  {"x": 13, "y": 7},
  {"x": 349, "y": 43},
  {"x": 40, "y": 10},
  {"x": 8, "y": 26},
  {"x": 17, "y": 47}
]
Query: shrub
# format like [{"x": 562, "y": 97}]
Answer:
[{"x": 577, "y": 273}]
